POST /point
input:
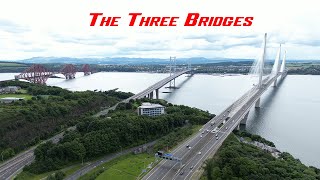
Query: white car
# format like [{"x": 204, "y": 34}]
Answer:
[
  {"x": 199, "y": 153},
  {"x": 226, "y": 128},
  {"x": 201, "y": 136},
  {"x": 217, "y": 138}
]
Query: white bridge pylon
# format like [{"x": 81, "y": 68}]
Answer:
[
  {"x": 258, "y": 69},
  {"x": 283, "y": 65}
]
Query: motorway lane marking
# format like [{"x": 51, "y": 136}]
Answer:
[
  {"x": 203, "y": 156},
  {"x": 15, "y": 163},
  {"x": 188, "y": 162},
  {"x": 215, "y": 119},
  {"x": 13, "y": 169},
  {"x": 198, "y": 141},
  {"x": 225, "y": 135},
  {"x": 175, "y": 151}
]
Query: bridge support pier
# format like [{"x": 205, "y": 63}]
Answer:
[
  {"x": 257, "y": 105},
  {"x": 157, "y": 93},
  {"x": 275, "y": 83},
  {"x": 151, "y": 95},
  {"x": 245, "y": 118}
]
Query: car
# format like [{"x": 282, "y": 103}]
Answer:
[
  {"x": 224, "y": 115},
  {"x": 191, "y": 167},
  {"x": 207, "y": 130},
  {"x": 188, "y": 146},
  {"x": 201, "y": 136},
  {"x": 226, "y": 128},
  {"x": 217, "y": 138},
  {"x": 181, "y": 172},
  {"x": 199, "y": 152},
  {"x": 217, "y": 135}
]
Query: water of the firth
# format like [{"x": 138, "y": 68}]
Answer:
[{"x": 289, "y": 115}]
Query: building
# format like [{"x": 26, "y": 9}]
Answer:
[
  {"x": 10, "y": 99},
  {"x": 9, "y": 89},
  {"x": 150, "y": 109}
]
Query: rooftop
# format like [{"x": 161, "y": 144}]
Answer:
[
  {"x": 11, "y": 98},
  {"x": 150, "y": 105}
]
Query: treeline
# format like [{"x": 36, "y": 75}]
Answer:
[
  {"x": 253, "y": 137},
  {"x": 236, "y": 160},
  {"x": 121, "y": 129},
  {"x": 312, "y": 70},
  {"x": 172, "y": 139},
  {"x": 25, "y": 123}
]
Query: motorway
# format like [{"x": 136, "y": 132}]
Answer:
[
  {"x": 13, "y": 166},
  {"x": 210, "y": 142}
]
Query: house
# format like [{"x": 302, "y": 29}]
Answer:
[{"x": 150, "y": 109}]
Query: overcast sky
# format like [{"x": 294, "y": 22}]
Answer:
[{"x": 43, "y": 28}]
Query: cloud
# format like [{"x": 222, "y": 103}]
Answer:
[
  {"x": 10, "y": 27},
  {"x": 51, "y": 29},
  {"x": 89, "y": 40}
]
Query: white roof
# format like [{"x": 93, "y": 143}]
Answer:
[
  {"x": 11, "y": 98},
  {"x": 150, "y": 105}
]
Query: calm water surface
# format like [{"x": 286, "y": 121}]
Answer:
[{"x": 289, "y": 113}]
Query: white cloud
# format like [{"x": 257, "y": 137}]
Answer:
[{"x": 61, "y": 28}]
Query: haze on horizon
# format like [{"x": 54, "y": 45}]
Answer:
[{"x": 42, "y": 28}]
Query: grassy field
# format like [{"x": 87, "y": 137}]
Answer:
[
  {"x": 25, "y": 96},
  {"x": 29, "y": 176},
  {"x": 8, "y": 64},
  {"x": 127, "y": 167}
]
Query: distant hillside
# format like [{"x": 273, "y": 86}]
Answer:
[
  {"x": 125, "y": 61},
  {"x": 135, "y": 61}
]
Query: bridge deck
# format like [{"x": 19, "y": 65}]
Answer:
[
  {"x": 157, "y": 85},
  {"x": 209, "y": 142}
]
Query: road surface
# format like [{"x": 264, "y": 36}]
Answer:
[{"x": 205, "y": 143}]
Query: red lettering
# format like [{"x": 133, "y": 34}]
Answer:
[
  {"x": 217, "y": 21},
  {"x": 191, "y": 19},
  {"x": 94, "y": 18},
  {"x": 248, "y": 21},
  {"x": 203, "y": 20},
  {"x": 237, "y": 21},
  {"x": 155, "y": 21},
  {"x": 164, "y": 21},
  {"x": 133, "y": 18},
  {"x": 227, "y": 21},
  {"x": 145, "y": 20},
  {"x": 173, "y": 21}
]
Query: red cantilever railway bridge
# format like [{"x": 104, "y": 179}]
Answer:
[{"x": 39, "y": 74}]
